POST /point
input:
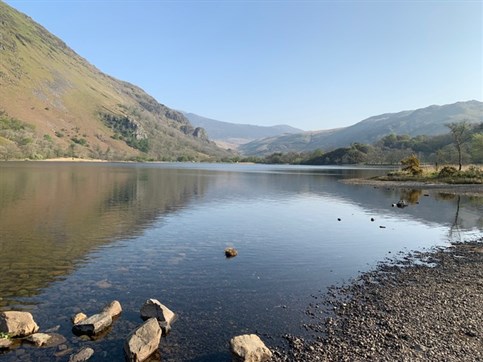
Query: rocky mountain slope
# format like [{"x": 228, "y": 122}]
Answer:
[
  {"x": 425, "y": 121},
  {"x": 231, "y": 135},
  {"x": 54, "y": 103}
]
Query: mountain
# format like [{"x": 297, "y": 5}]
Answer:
[
  {"x": 55, "y": 103},
  {"x": 425, "y": 121},
  {"x": 231, "y": 135}
]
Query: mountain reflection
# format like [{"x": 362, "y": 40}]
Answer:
[{"x": 51, "y": 216}]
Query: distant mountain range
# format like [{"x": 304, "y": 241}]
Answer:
[
  {"x": 425, "y": 121},
  {"x": 54, "y": 103},
  {"x": 231, "y": 135}
]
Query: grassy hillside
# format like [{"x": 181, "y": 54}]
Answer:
[
  {"x": 68, "y": 107},
  {"x": 426, "y": 121}
]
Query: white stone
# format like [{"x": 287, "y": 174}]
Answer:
[
  {"x": 250, "y": 348},
  {"x": 17, "y": 324},
  {"x": 143, "y": 342},
  {"x": 113, "y": 309}
]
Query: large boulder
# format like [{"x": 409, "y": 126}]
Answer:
[
  {"x": 249, "y": 348},
  {"x": 152, "y": 308},
  {"x": 17, "y": 324},
  {"x": 143, "y": 342},
  {"x": 113, "y": 309},
  {"x": 93, "y": 325}
]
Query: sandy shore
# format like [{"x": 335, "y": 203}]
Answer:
[
  {"x": 425, "y": 307},
  {"x": 462, "y": 189}
]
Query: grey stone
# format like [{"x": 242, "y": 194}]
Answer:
[
  {"x": 83, "y": 355},
  {"x": 93, "y": 325},
  {"x": 17, "y": 324},
  {"x": 250, "y": 348},
  {"x": 143, "y": 342}
]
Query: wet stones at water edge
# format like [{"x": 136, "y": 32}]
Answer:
[
  {"x": 17, "y": 324},
  {"x": 96, "y": 323},
  {"x": 83, "y": 355},
  {"x": 143, "y": 342},
  {"x": 231, "y": 252},
  {"x": 152, "y": 308},
  {"x": 249, "y": 348}
]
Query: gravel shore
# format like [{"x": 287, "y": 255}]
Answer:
[{"x": 426, "y": 307}]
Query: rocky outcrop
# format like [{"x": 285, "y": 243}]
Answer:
[
  {"x": 93, "y": 325},
  {"x": 143, "y": 342},
  {"x": 17, "y": 324},
  {"x": 249, "y": 348}
]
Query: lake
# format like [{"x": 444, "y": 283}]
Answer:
[{"x": 75, "y": 236}]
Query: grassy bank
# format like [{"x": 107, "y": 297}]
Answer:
[{"x": 445, "y": 175}]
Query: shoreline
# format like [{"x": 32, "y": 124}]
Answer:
[
  {"x": 462, "y": 189},
  {"x": 425, "y": 306}
]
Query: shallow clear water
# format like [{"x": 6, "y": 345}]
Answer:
[{"x": 76, "y": 236}]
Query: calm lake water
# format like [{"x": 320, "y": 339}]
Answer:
[{"x": 74, "y": 237}]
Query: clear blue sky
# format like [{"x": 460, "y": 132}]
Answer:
[{"x": 311, "y": 64}]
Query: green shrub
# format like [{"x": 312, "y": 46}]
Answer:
[{"x": 447, "y": 171}]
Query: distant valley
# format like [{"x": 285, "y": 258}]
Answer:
[
  {"x": 232, "y": 135},
  {"x": 428, "y": 121}
]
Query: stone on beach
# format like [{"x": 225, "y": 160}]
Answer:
[
  {"x": 113, "y": 309},
  {"x": 93, "y": 325},
  {"x": 143, "y": 342},
  {"x": 250, "y": 348},
  {"x": 152, "y": 308},
  {"x": 17, "y": 324}
]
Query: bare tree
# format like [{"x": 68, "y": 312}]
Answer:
[{"x": 461, "y": 135}]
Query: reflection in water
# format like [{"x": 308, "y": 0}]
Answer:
[
  {"x": 132, "y": 232},
  {"x": 52, "y": 215}
]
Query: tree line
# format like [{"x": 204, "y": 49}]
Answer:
[{"x": 462, "y": 144}]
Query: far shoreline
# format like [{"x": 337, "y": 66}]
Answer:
[{"x": 466, "y": 189}]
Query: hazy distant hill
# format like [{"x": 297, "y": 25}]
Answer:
[
  {"x": 232, "y": 134},
  {"x": 425, "y": 121},
  {"x": 53, "y": 103}
]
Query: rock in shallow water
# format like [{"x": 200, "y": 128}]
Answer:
[
  {"x": 17, "y": 324},
  {"x": 83, "y": 355},
  {"x": 231, "y": 252},
  {"x": 143, "y": 342},
  {"x": 113, "y": 309},
  {"x": 250, "y": 348},
  {"x": 152, "y": 308},
  {"x": 93, "y": 325}
]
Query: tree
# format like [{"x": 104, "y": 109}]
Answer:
[
  {"x": 412, "y": 165},
  {"x": 461, "y": 135}
]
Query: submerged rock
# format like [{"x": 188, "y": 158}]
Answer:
[
  {"x": 83, "y": 355},
  {"x": 250, "y": 348},
  {"x": 231, "y": 252},
  {"x": 17, "y": 324},
  {"x": 93, "y": 325},
  {"x": 39, "y": 339},
  {"x": 143, "y": 342}
]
